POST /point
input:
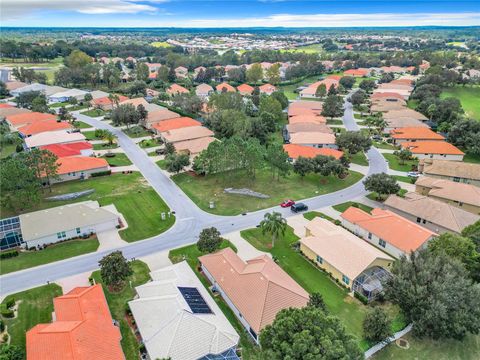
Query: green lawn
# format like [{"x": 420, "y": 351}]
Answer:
[
  {"x": 334, "y": 122},
  {"x": 36, "y": 307},
  {"x": 350, "y": 311},
  {"x": 469, "y": 97},
  {"x": 90, "y": 135},
  {"x": 404, "y": 179},
  {"x": 288, "y": 90},
  {"x": 344, "y": 206},
  {"x": 120, "y": 159},
  {"x": 93, "y": 112},
  {"x": 117, "y": 303},
  {"x": 59, "y": 105},
  {"x": 77, "y": 107},
  {"x": 131, "y": 194},
  {"x": 412, "y": 104},
  {"x": 162, "y": 164},
  {"x": 203, "y": 189},
  {"x": 470, "y": 158},
  {"x": 359, "y": 116},
  {"x": 359, "y": 158},
  {"x": 310, "y": 215},
  {"x": 104, "y": 146},
  {"x": 52, "y": 253},
  {"x": 394, "y": 163},
  {"x": 137, "y": 131},
  {"x": 81, "y": 125},
  {"x": 191, "y": 253},
  {"x": 468, "y": 349},
  {"x": 7, "y": 150},
  {"x": 383, "y": 145},
  {"x": 148, "y": 143}
]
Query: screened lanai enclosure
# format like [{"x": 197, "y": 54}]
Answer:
[{"x": 370, "y": 282}]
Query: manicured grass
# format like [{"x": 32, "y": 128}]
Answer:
[
  {"x": 203, "y": 189},
  {"x": 36, "y": 307},
  {"x": 344, "y": 206},
  {"x": 148, "y": 143},
  {"x": 375, "y": 197},
  {"x": 310, "y": 215},
  {"x": 288, "y": 90},
  {"x": 468, "y": 349},
  {"x": 7, "y": 150},
  {"x": 412, "y": 104},
  {"x": 162, "y": 164},
  {"x": 359, "y": 159},
  {"x": 81, "y": 125},
  {"x": 384, "y": 145},
  {"x": 470, "y": 158},
  {"x": 359, "y": 116},
  {"x": 77, "y": 107},
  {"x": 90, "y": 135},
  {"x": 52, "y": 253},
  {"x": 132, "y": 195},
  {"x": 59, "y": 105},
  {"x": 469, "y": 98},
  {"x": 191, "y": 254},
  {"x": 394, "y": 163},
  {"x": 93, "y": 112},
  {"x": 104, "y": 146},
  {"x": 334, "y": 122},
  {"x": 117, "y": 303},
  {"x": 404, "y": 179},
  {"x": 120, "y": 159},
  {"x": 137, "y": 131}
]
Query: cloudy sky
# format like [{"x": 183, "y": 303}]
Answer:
[{"x": 232, "y": 13}]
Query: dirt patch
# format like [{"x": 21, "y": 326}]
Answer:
[{"x": 402, "y": 343}]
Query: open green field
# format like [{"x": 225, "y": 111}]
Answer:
[
  {"x": 55, "y": 252},
  {"x": 117, "y": 303},
  {"x": 160, "y": 44},
  {"x": 344, "y": 206},
  {"x": 288, "y": 90},
  {"x": 469, "y": 96},
  {"x": 191, "y": 254},
  {"x": 307, "y": 49},
  {"x": 339, "y": 303},
  {"x": 36, "y": 307},
  {"x": 420, "y": 349},
  {"x": 394, "y": 163},
  {"x": 120, "y": 159},
  {"x": 132, "y": 195},
  {"x": 203, "y": 189}
]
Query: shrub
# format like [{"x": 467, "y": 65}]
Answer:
[
  {"x": 377, "y": 325},
  {"x": 101, "y": 173},
  {"x": 7, "y": 313},
  {"x": 2, "y": 325},
  {"x": 360, "y": 297},
  {"x": 209, "y": 240},
  {"x": 8, "y": 254},
  {"x": 337, "y": 222},
  {"x": 10, "y": 303}
]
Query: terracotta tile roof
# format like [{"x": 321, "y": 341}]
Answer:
[
  {"x": 381, "y": 95},
  {"x": 2, "y": 106},
  {"x": 245, "y": 89},
  {"x": 451, "y": 168},
  {"x": 307, "y": 118},
  {"x": 106, "y": 101},
  {"x": 72, "y": 149},
  {"x": 175, "y": 123},
  {"x": 295, "y": 151},
  {"x": 403, "y": 234},
  {"x": 80, "y": 163},
  {"x": 135, "y": 102},
  {"x": 186, "y": 133},
  {"x": 29, "y": 118},
  {"x": 226, "y": 86},
  {"x": 346, "y": 252},
  {"x": 334, "y": 77},
  {"x": 44, "y": 126},
  {"x": 415, "y": 133},
  {"x": 356, "y": 72},
  {"x": 432, "y": 147},
  {"x": 83, "y": 330},
  {"x": 312, "y": 138},
  {"x": 306, "y": 104},
  {"x": 177, "y": 89},
  {"x": 258, "y": 288},
  {"x": 195, "y": 146},
  {"x": 312, "y": 89},
  {"x": 408, "y": 82},
  {"x": 450, "y": 190},
  {"x": 434, "y": 211},
  {"x": 159, "y": 115},
  {"x": 267, "y": 88}
]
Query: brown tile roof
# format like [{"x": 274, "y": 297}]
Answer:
[
  {"x": 186, "y": 133},
  {"x": 7, "y": 111},
  {"x": 258, "y": 288},
  {"x": 451, "y": 168},
  {"x": 308, "y": 126},
  {"x": 405, "y": 113},
  {"x": 135, "y": 102},
  {"x": 195, "y": 146},
  {"x": 450, "y": 190},
  {"x": 312, "y": 138},
  {"x": 159, "y": 115}
]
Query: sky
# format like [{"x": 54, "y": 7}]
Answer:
[{"x": 243, "y": 13}]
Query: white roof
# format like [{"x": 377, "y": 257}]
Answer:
[
  {"x": 47, "y": 222},
  {"x": 46, "y": 89},
  {"x": 53, "y": 137},
  {"x": 168, "y": 327},
  {"x": 97, "y": 94},
  {"x": 69, "y": 93}
]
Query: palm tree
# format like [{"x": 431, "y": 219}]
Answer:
[
  {"x": 108, "y": 136},
  {"x": 114, "y": 98},
  {"x": 274, "y": 224}
]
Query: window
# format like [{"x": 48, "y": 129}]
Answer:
[
  {"x": 382, "y": 243},
  {"x": 370, "y": 236},
  {"x": 254, "y": 334},
  {"x": 419, "y": 220},
  {"x": 424, "y": 221},
  {"x": 78, "y": 231},
  {"x": 456, "y": 179},
  {"x": 345, "y": 279},
  {"x": 61, "y": 235},
  {"x": 319, "y": 259}
]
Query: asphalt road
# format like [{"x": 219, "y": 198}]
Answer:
[{"x": 190, "y": 219}]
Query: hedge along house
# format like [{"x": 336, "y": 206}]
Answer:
[
  {"x": 66, "y": 222},
  {"x": 351, "y": 261}
]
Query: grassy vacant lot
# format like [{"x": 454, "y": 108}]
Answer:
[
  {"x": 117, "y": 303},
  {"x": 36, "y": 307},
  {"x": 203, "y": 189},
  {"x": 52, "y": 253},
  {"x": 93, "y": 112},
  {"x": 131, "y": 194},
  {"x": 338, "y": 302},
  {"x": 469, "y": 97},
  {"x": 394, "y": 163},
  {"x": 468, "y": 349},
  {"x": 191, "y": 254},
  {"x": 120, "y": 159},
  {"x": 359, "y": 159},
  {"x": 344, "y": 206}
]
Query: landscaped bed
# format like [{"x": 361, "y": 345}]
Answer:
[
  {"x": 203, "y": 189},
  {"x": 117, "y": 159},
  {"x": 54, "y": 252},
  {"x": 395, "y": 164},
  {"x": 132, "y": 195},
  {"x": 117, "y": 302}
]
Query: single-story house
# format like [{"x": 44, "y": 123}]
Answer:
[
  {"x": 357, "y": 72},
  {"x": 9, "y": 110},
  {"x": 245, "y": 89},
  {"x": 82, "y": 329},
  {"x": 310, "y": 91},
  {"x": 135, "y": 102},
  {"x": 178, "y": 319},
  {"x": 193, "y": 147},
  {"x": 186, "y": 133},
  {"x": 47, "y": 90},
  {"x": 197, "y": 70},
  {"x": 20, "y": 119},
  {"x": 97, "y": 94},
  {"x": 464, "y": 196},
  {"x": 181, "y": 72},
  {"x": 255, "y": 290},
  {"x": 405, "y": 113},
  {"x": 413, "y": 134},
  {"x": 384, "y": 105},
  {"x": 387, "y": 231},
  {"x": 457, "y": 171},
  {"x": 225, "y": 87},
  {"x": 79, "y": 167},
  {"x": 175, "y": 123},
  {"x": 314, "y": 139},
  {"x": 81, "y": 148},
  {"x": 296, "y": 127},
  {"x": 308, "y": 117},
  {"x": 153, "y": 67},
  {"x": 267, "y": 89},
  {"x": 305, "y": 107},
  {"x": 434, "y": 150},
  {"x": 175, "y": 89},
  {"x": 154, "y": 117},
  {"x": 351, "y": 261},
  {"x": 43, "y": 126},
  {"x": 105, "y": 103},
  {"x": 399, "y": 123},
  {"x": 204, "y": 90},
  {"x": 435, "y": 215},
  {"x": 66, "y": 222},
  {"x": 47, "y": 138},
  {"x": 295, "y": 151},
  {"x": 376, "y": 96},
  {"x": 67, "y": 95}
]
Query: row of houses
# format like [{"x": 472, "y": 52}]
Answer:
[{"x": 203, "y": 91}]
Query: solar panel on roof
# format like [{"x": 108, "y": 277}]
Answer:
[{"x": 194, "y": 300}]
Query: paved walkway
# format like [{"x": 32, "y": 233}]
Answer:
[
  {"x": 157, "y": 261},
  {"x": 298, "y": 223},
  {"x": 71, "y": 282},
  {"x": 359, "y": 168},
  {"x": 116, "y": 150}
]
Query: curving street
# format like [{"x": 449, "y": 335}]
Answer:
[{"x": 190, "y": 219}]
